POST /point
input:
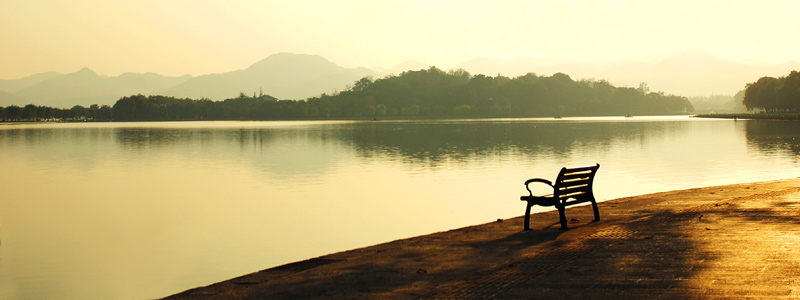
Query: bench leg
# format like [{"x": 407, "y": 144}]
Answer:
[
  {"x": 528, "y": 217},
  {"x": 596, "y": 210},
  {"x": 563, "y": 217}
]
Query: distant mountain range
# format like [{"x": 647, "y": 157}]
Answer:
[
  {"x": 284, "y": 76},
  {"x": 693, "y": 72},
  {"x": 84, "y": 87},
  {"x": 300, "y": 76}
]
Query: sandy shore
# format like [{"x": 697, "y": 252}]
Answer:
[{"x": 730, "y": 241}]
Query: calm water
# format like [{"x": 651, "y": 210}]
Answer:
[{"x": 144, "y": 210}]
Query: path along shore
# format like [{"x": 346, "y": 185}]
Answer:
[{"x": 734, "y": 241}]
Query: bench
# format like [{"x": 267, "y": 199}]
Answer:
[{"x": 572, "y": 186}]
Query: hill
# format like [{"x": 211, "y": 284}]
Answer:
[
  {"x": 693, "y": 72},
  {"x": 16, "y": 85},
  {"x": 85, "y": 87},
  {"x": 7, "y": 99},
  {"x": 283, "y": 75}
]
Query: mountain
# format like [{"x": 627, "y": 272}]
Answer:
[
  {"x": 85, "y": 87},
  {"x": 78, "y": 88},
  {"x": 7, "y": 99},
  {"x": 282, "y": 75},
  {"x": 693, "y": 72},
  {"x": 16, "y": 85}
]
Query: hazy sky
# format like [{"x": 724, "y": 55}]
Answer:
[{"x": 175, "y": 37}]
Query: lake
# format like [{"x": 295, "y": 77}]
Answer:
[{"x": 145, "y": 210}]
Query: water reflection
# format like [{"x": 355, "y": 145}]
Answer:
[
  {"x": 288, "y": 149},
  {"x": 273, "y": 150},
  {"x": 425, "y": 143},
  {"x": 435, "y": 142},
  {"x": 774, "y": 137},
  {"x": 136, "y": 139},
  {"x": 141, "y": 210}
]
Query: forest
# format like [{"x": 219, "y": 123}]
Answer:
[
  {"x": 426, "y": 93},
  {"x": 33, "y": 113},
  {"x": 774, "y": 95}
]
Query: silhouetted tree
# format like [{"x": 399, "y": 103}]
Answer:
[
  {"x": 29, "y": 112},
  {"x": 774, "y": 94},
  {"x": 787, "y": 93},
  {"x": 13, "y": 113}
]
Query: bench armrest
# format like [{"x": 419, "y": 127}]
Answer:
[{"x": 529, "y": 181}]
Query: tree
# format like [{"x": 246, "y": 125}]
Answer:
[
  {"x": 412, "y": 110},
  {"x": 424, "y": 92},
  {"x": 369, "y": 110},
  {"x": 78, "y": 112},
  {"x": 644, "y": 89},
  {"x": 126, "y": 108},
  {"x": 761, "y": 94},
  {"x": 14, "y": 113},
  {"x": 105, "y": 113},
  {"x": 380, "y": 110},
  {"x": 29, "y": 112},
  {"x": 787, "y": 92},
  {"x": 362, "y": 84}
]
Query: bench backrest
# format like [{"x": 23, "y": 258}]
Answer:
[{"x": 574, "y": 185}]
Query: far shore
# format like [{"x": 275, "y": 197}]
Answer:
[
  {"x": 754, "y": 116},
  {"x": 22, "y": 123}
]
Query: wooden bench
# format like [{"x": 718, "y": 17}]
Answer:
[{"x": 572, "y": 186}]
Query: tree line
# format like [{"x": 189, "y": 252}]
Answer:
[
  {"x": 427, "y": 93},
  {"x": 456, "y": 93},
  {"x": 33, "y": 113},
  {"x": 774, "y": 95}
]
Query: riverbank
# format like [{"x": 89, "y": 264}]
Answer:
[
  {"x": 754, "y": 116},
  {"x": 728, "y": 241}
]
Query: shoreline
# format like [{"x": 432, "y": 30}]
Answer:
[
  {"x": 753, "y": 116},
  {"x": 444, "y": 263},
  {"x": 374, "y": 119}
]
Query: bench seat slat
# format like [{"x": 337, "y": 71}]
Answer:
[
  {"x": 574, "y": 190},
  {"x": 582, "y": 168},
  {"x": 577, "y": 177}
]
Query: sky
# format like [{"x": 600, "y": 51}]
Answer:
[{"x": 177, "y": 37}]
